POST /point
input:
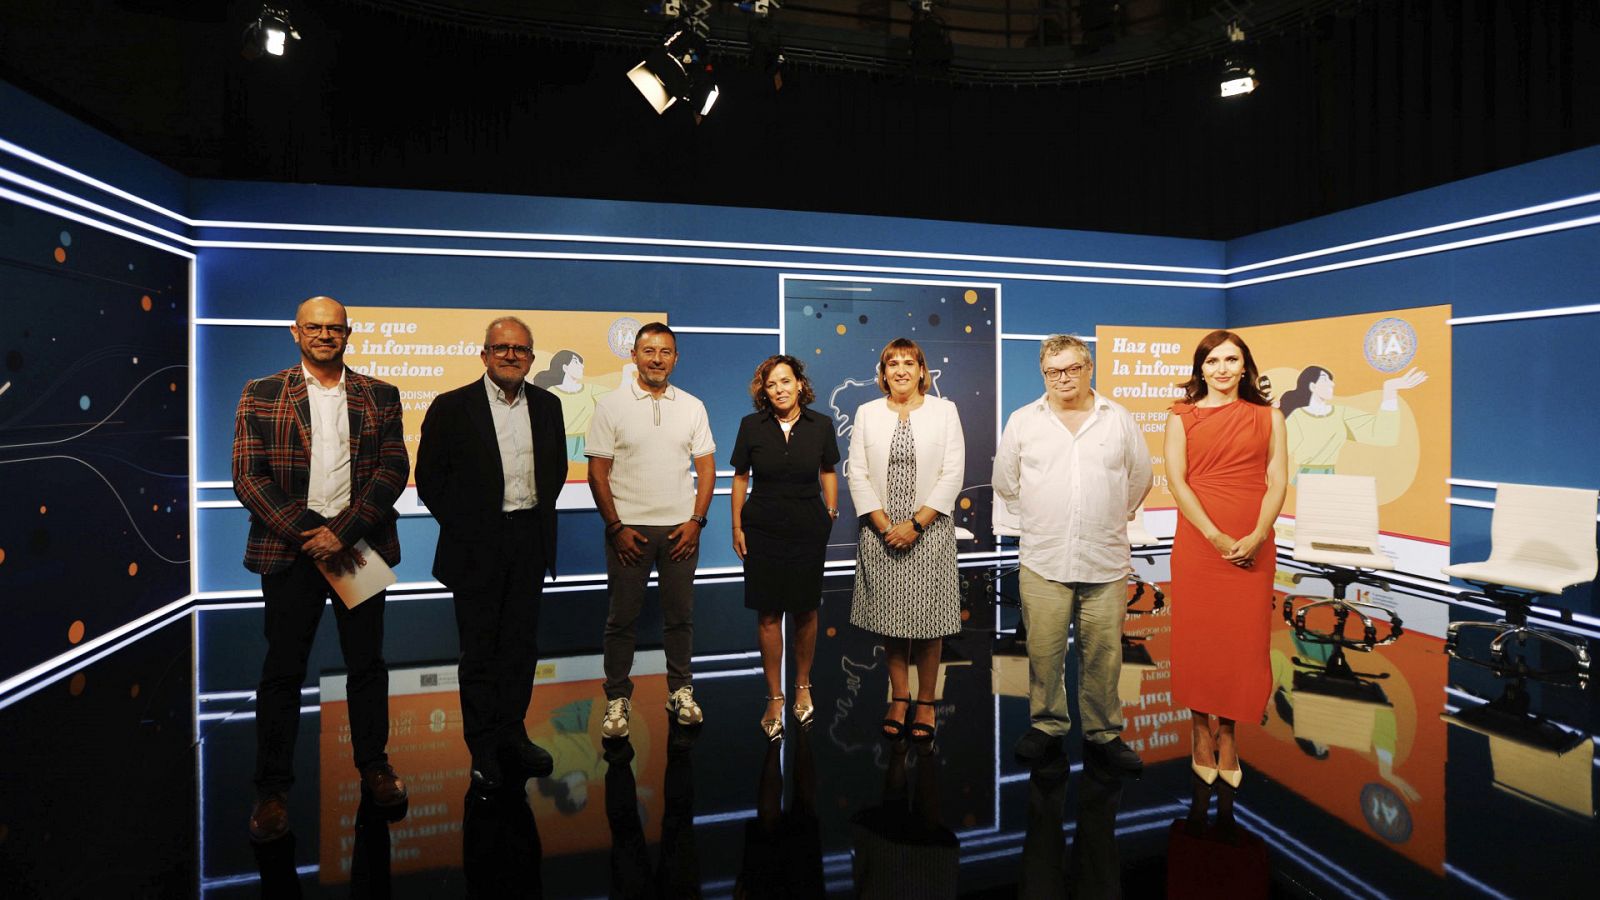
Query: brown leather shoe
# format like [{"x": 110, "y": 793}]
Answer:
[
  {"x": 383, "y": 785},
  {"x": 269, "y": 819}
]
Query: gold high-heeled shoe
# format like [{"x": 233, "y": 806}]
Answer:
[
  {"x": 1231, "y": 776},
  {"x": 773, "y": 728},
  {"x": 805, "y": 715}
]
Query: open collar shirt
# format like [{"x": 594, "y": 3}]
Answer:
[
  {"x": 652, "y": 442},
  {"x": 513, "y": 435},
  {"x": 1073, "y": 492},
  {"x": 328, "y": 487}
]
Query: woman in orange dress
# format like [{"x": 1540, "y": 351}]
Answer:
[{"x": 1227, "y": 464}]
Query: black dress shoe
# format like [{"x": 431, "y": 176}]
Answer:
[
  {"x": 382, "y": 784},
  {"x": 1036, "y": 746},
  {"x": 269, "y": 818},
  {"x": 1116, "y": 755},
  {"x": 530, "y": 758}
]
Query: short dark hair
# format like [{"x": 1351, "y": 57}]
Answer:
[
  {"x": 1249, "y": 385},
  {"x": 654, "y": 328},
  {"x": 758, "y": 384},
  {"x": 910, "y": 348}
]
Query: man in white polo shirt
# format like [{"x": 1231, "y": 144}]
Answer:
[
  {"x": 640, "y": 443},
  {"x": 1075, "y": 467}
]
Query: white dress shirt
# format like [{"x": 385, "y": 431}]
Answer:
[
  {"x": 652, "y": 442},
  {"x": 513, "y": 435},
  {"x": 1074, "y": 493},
  {"x": 328, "y": 492}
]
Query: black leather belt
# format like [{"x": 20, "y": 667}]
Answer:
[{"x": 529, "y": 513}]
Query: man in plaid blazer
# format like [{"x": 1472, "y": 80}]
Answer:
[{"x": 319, "y": 458}]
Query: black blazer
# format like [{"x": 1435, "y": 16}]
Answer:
[{"x": 459, "y": 479}]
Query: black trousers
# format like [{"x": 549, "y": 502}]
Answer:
[
  {"x": 294, "y": 599},
  {"x": 497, "y": 619}
]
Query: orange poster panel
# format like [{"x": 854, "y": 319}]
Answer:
[{"x": 424, "y": 352}]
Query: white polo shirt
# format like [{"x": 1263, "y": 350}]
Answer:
[
  {"x": 652, "y": 443},
  {"x": 1074, "y": 493}
]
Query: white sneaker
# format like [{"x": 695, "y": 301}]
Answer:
[
  {"x": 681, "y": 702},
  {"x": 616, "y": 722}
]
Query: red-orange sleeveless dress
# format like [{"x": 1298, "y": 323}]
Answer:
[{"x": 1221, "y": 613}]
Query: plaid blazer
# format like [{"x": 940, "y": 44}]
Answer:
[{"x": 272, "y": 467}]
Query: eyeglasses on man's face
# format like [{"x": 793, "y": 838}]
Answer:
[
  {"x": 1076, "y": 370},
  {"x": 317, "y": 329},
  {"x": 520, "y": 351}
]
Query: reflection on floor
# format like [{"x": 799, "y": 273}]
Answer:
[{"x": 1445, "y": 780}]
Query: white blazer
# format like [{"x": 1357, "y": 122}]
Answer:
[{"x": 941, "y": 454}]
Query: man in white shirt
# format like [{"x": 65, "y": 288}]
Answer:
[
  {"x": 490, "y": 466},
  {"x": 1075, "y": 467},
  {"x": 641, "y": 441}
]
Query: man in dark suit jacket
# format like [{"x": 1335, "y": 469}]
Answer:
[
  {"x": 490, "y": 466},
  {"x": 319, "y": 458}
]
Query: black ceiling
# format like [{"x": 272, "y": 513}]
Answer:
[{"x": 1062, "y": 113}]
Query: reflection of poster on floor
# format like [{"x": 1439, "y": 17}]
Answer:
[
  {"x": 424, "y": 352},
  {"x": 1361, "y": 395},
  {"x": 837, "y": 328},
  {"x": 427, "y": 749},
  {"x": 1374, "y": 763}
]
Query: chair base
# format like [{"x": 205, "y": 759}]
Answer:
[{"x": 1515, "y": 628}]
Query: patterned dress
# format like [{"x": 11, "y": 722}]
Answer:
[{"x": 914, "y": 593}]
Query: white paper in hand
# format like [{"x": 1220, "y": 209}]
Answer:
[{"x": 354, "y": 587}]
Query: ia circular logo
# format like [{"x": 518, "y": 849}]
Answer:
[
  {"x": 1386, "y": 813},
  {"x": 621, "y": 334},
  {"x": 1390, "y": 344}
]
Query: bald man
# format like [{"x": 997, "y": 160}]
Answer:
[{"x": 319, "y": 458}]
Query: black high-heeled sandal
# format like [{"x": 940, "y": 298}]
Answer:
[
  {"x": 895, "y": 729},
  {"x": 920, "y": 732}
]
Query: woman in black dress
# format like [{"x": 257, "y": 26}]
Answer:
[{"x": 781, "y": 531}]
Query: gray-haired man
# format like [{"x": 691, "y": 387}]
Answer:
[{"x": 1075, "y": 467}]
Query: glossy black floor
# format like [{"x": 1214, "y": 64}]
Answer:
[{"x": 123, "y": 780}]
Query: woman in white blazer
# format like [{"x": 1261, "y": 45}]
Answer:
[{"x": 906, "y": 464}]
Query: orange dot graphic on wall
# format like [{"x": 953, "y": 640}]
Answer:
[
  {"x": 133, "y": 569},
  {"x": 43, "y": 509},
  {"x": 144, "y": 303},
  {"x": 2, "y": 555},
  {"x": 61, "y": 254},
  {"x": 966, "y": 502},
  {"x": 970, "y": 296},
  {"x": 75, "y": 631},
  {"x": 839, "y": 328},
  {"x": 76, "y": 685}
]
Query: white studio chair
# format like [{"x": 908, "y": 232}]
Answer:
[
  {"x": 1336, "y": 533},
  {"x": 1542, "y": 541}
]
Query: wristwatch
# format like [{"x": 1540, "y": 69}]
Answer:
[
  {"x": 698, "y": 520},
  {"x": 917, "y": 525}
]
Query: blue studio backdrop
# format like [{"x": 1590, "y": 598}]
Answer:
[{"x": 225, "y": 263}]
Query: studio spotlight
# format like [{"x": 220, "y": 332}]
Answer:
[
  {"x": 675, "y": 71},
  {"x": 1238, "y": 76},
  {"x": 269, "y": 34},
  {"x": 704, "y": 93},
  {"x": 663, "y": 76}
]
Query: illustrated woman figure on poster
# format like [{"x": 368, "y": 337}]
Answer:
[
  {"x": 564, "y": 378},
  {"x": 1318, "y": 427}
]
